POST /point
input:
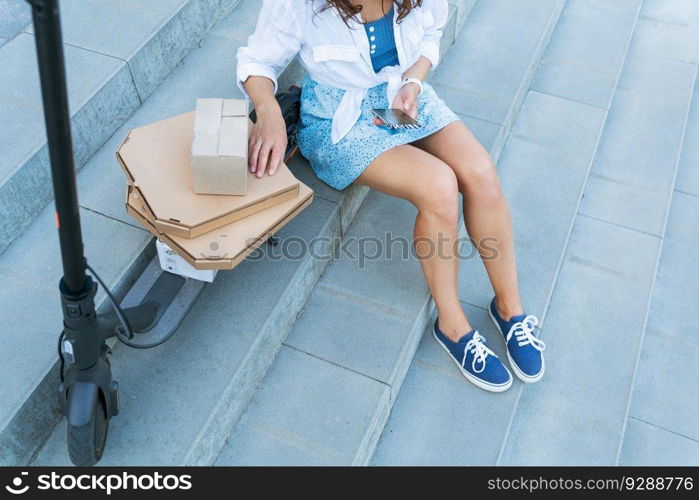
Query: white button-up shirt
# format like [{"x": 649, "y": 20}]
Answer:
[{"x": 336, "y": 54}]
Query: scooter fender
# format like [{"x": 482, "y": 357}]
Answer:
[
  {"x": 80, "y": 403},
  {"x": 77, "y": 392}
]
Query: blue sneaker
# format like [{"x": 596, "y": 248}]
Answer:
[
  {"x": 524, "y": 350},
  {"x": 479, "y": 364}
]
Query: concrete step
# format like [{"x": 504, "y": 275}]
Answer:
[
  {"x": 228, "y": 315},
  {"x": 116, "y": 53},
  {"x": 490, "y": 90},
  {"x": 599, "y": 310},
  {"x": 544, "y": 169},
  {"x": 662, "y": 428},
  {"x": 231, "y": 322},
  {"x": 15, "y": 16},
  {"x": 328, "y": 394},
  {"x": 30, "y": 268}
]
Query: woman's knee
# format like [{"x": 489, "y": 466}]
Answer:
[
  {"x": 479, "y": 178},
  {"x": 440, "y": 194}
]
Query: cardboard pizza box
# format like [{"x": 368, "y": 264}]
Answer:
[
  {"x": 227, "y": 246},
  {"x": 156, "y": 160}
]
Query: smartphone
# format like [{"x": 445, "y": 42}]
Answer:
[{"x": 395, "y": 119}]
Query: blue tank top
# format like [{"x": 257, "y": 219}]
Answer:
[{"x": 382, "y": 42}]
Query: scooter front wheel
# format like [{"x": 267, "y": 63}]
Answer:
[{"x": 86, "y": 442}]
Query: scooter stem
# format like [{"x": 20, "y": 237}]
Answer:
[{"x": 49, "y": 47}]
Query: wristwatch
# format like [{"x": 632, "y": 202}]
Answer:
[{"x": 416, "y": 81}]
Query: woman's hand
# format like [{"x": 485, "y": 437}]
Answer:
[
  {"x": 268, "y": 140},
  {"x": 405, "y": 100}
]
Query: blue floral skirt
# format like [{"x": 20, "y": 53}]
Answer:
[{"x": 339, "y": 165}]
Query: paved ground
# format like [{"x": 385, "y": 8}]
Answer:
[
  {"x": 596, "y": 128},
  {"x": 621, "y": 362}
]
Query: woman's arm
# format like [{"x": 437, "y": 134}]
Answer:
[
  {"x": 406, "y": 99},
  {"x": 268, "y": 137},
  {"x": 419, "y": 70},
  {"x": 438, "y": 11},
  {"x": 276, "y": 40},
  {"x": 409, "y": 92}
]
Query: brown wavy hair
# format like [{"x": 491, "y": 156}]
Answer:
[{"x": 347, "y": 10}]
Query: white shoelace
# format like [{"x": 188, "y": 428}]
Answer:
[
  {"x": 524, "y": 333},
  {"x": 480, "y": 352}
]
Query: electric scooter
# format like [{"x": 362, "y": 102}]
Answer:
[{"x": 154, "y": 307}]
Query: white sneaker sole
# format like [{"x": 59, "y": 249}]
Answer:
[
  {"x": 520, "y": 375},
  {"x": 475, "y": 381}
]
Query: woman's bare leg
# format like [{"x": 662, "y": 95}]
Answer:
[
  {"x": 485, "y": 208},
  {"x": 414, "y": 175}
]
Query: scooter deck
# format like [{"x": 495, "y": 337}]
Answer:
[{"x": 174, "y": 295}]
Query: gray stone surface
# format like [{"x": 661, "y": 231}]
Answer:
[
  {"x": 166, "y": 49},
  {"x": 371, "y": 320},
  {"x": 442, "y": 419},
  {"x": 378, "y": 303},
  {"x": 490, "y": 135},
  {"x": 152, "y": 38},
  {"x": 649, "y": 445},
  {"x": 255, "y": 445},
  {"x": 449, "y": 31},
  {"x": 29, "y": 345},
  {"x": 587, "y": 50},
  {"x": 463, "y": 9},
  {"x": 113, "y": 63},
  {"x": 116, "y": 29},
  {"x": 219, "y": 342},
  {"x": 26, "y": 190},
  {"x": 495, "y": 59},
  {"x": 671, "y": 40},
  {"x": 30, "y": 271},
  {"x": 665, "y": 391},
  {"x": 19, "y": 83},
  {"x": 543, "y": 170},
  {"x": 682, "y": 12},
  {"x": 393, "y": 283},
  {"x": 595, "y": 324},
  {"x": 101, "y": 182},
  {"x": 359, "y": 335},
  {"x": 687, "y": 172},
  {"x": 325, "y": 422},
  {"x": 222, "y": 351},
  {"x": 110, "y": 248},
  {"x": 101, "y": 187},
  {"x": 633, "y": 174},
  {"x": 373, "y": 334},
  {"x": 15, "y": 15}
]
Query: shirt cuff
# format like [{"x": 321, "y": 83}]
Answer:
[
  {"x": 255, "y": 69},
  {"x": 430, "y": 49}
]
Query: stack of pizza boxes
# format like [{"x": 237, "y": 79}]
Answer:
[{"x": 189, "y": 185}]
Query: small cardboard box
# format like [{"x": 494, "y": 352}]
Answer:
[
  {"x": 156, "y": 161},
  {"x": 227, "y": 246},
  {"x": 220, "y": 147},
  {"x": 173, "y": 263}
]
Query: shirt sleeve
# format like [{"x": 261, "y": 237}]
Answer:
[
  {"x": 275, "y": 42},
  {"x": 435, "y": 18}
]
